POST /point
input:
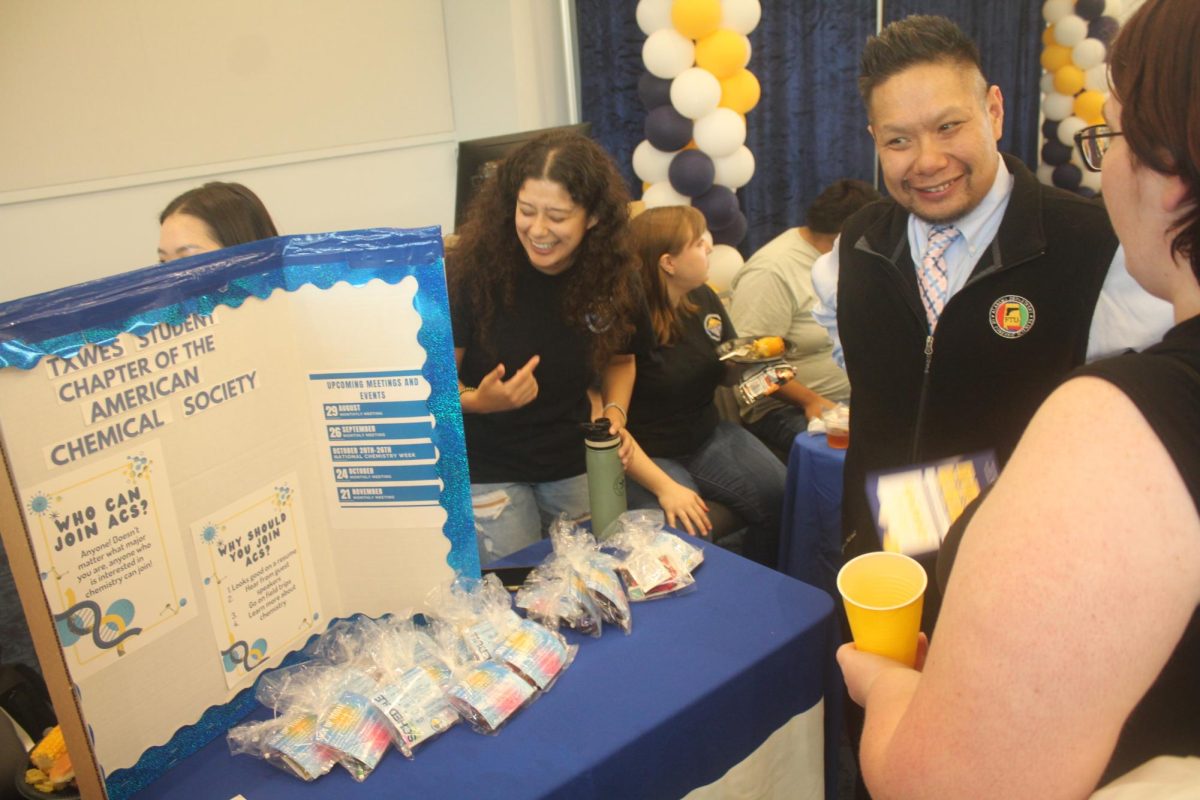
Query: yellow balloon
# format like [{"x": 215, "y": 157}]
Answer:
[
  {"x": 740, "y": 91},
  {"x": 1055, "y": 57},
  {"x": 1089, "y": 106},
  {"x": 1068, "y": 80},
  {"x": 696, "y": 19},
  {"x": 1048, "y": 36},
  {"x": 723, "y": 53}
]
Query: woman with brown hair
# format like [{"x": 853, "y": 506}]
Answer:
[
  {"x": 211, "y": 217},
  {"x": 1068, "y": 646},
  {"x": 672, "y": 414}
]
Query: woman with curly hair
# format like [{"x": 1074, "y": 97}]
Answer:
[{"x": 544, "y": 303}]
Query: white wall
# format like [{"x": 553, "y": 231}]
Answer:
[{"x": 506, "y": 72}]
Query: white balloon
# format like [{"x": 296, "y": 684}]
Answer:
[
  {"x": 1045, "y": 174},
  {"x": 1090, "y": 179},
  {"x": 1088, "y": 54},
  {"x": 651, "y": 164},
  {"x": 654, "y": 15},
  {"x": 1096, "y": 78},
  {"x": 720, "y": 133},
  {"x": 1047, "y": 83},
  {"x": 667, "y": 53},
  {"x": 1113, "y": 9},
  {"x": 1054, "y": 10},
  {"x": 1070, "y": 30},
  {"x": 741, "y": 16},
  {"x": 734, "y": 170},
  {"x": 664, "y": 194},
  {"x": 1067, "y": 130},
  {"x": 695, "y": 92},
  {"x": 723, "y": 263},
  {"x": 1057, "y": 106}
]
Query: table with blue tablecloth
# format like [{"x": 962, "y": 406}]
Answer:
[
  {"x": 810, "y": 544},
  {"x": 717, "y": 692}
]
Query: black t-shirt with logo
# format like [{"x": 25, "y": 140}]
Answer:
[
  {"x": 542, "y": 441},
  {"x": 672, "y": 412}
]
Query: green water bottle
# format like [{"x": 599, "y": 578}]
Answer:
[{"x": 605, "y": 476}]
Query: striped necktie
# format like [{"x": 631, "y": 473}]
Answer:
[{"x": 933, "y": 280}]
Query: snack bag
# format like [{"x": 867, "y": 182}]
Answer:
[
  {"x": 287, "y": 742},
  {"x": 480, "y": 611},
  {"x": 595, "y": 569},
  {"x": 555, "y": 595},
  {"x": 489, "y": 694},
  {"x": 352, "y": 727},
  {"x": 536, "y": 653},
  {"x": 653, "y": 563},
  {"x": 415, "y": 707}
]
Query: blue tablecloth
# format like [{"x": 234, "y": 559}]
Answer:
[
  {"x": 810, "y": 544},
  {"x": 701, "y": 682}
]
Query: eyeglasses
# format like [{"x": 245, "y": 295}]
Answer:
[{"x": 1093, "y": 142}]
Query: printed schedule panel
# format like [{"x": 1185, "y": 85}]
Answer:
[{"x": 212, "y": 459}]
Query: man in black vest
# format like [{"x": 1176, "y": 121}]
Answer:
[{"x": 963, "y": 299}]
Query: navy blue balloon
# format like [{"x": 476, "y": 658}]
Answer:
[
  {"x": 667, "y": 129},
  {"x": 1089, "y": 9},
  {"x": 654, "y": 91},
  {"x": 1050, "y": 129},
  {"x": 719, "y": 205},
  {"x": 691, "y": 172},
  {"x": 1104, "y": 29},
  {"x": 733, "y": 233},
  {"x": 1055, "y": 152},
  {"x": 1067, "y": 176},
  {"x": 1086, "y": 191}
]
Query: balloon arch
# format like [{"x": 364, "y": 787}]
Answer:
[
  {"x": 1074, "y": 85},
  {"x": 697, "y": 92}
]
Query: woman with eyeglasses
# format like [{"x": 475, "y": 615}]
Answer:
[{"x": 1068, "y": 647}]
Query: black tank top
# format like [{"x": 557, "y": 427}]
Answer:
[{"x": 1164, "y": 383}]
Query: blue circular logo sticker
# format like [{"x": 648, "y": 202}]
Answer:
[{"x": 712, "y": 326}]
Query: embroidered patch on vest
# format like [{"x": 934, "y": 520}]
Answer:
[
  {"x": 713, "y": 327},
  {"x": 1012, "y": 316}
]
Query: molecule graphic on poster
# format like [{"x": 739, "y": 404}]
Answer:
[
  {"x": 697, "y": 92},
  {"x": 1074, "y": 86}
]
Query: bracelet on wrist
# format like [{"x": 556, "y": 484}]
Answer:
[
  {"x": 617, "y": 406},
  {"x": 464, "y": 389}
]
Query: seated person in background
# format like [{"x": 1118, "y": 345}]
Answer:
[
  {"x": 672, "y": 414},
  {"x": 544, "y": 302},
  {"x": 211, "y": 217},
  {"x": 1068, "y": 647},
  {"x": 773, "y": 296}
]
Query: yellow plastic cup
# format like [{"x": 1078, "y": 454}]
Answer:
[{"x": 883, "y": 594}]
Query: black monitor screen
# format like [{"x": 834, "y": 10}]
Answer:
[{"x": 477, "y": 159}]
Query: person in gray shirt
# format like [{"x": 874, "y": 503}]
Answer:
[{"x": 773, "y": 296}]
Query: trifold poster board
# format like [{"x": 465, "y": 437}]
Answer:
[{"x": 210, "y": 460}]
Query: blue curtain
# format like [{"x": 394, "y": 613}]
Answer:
[{"x": 809, "y": 128}]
